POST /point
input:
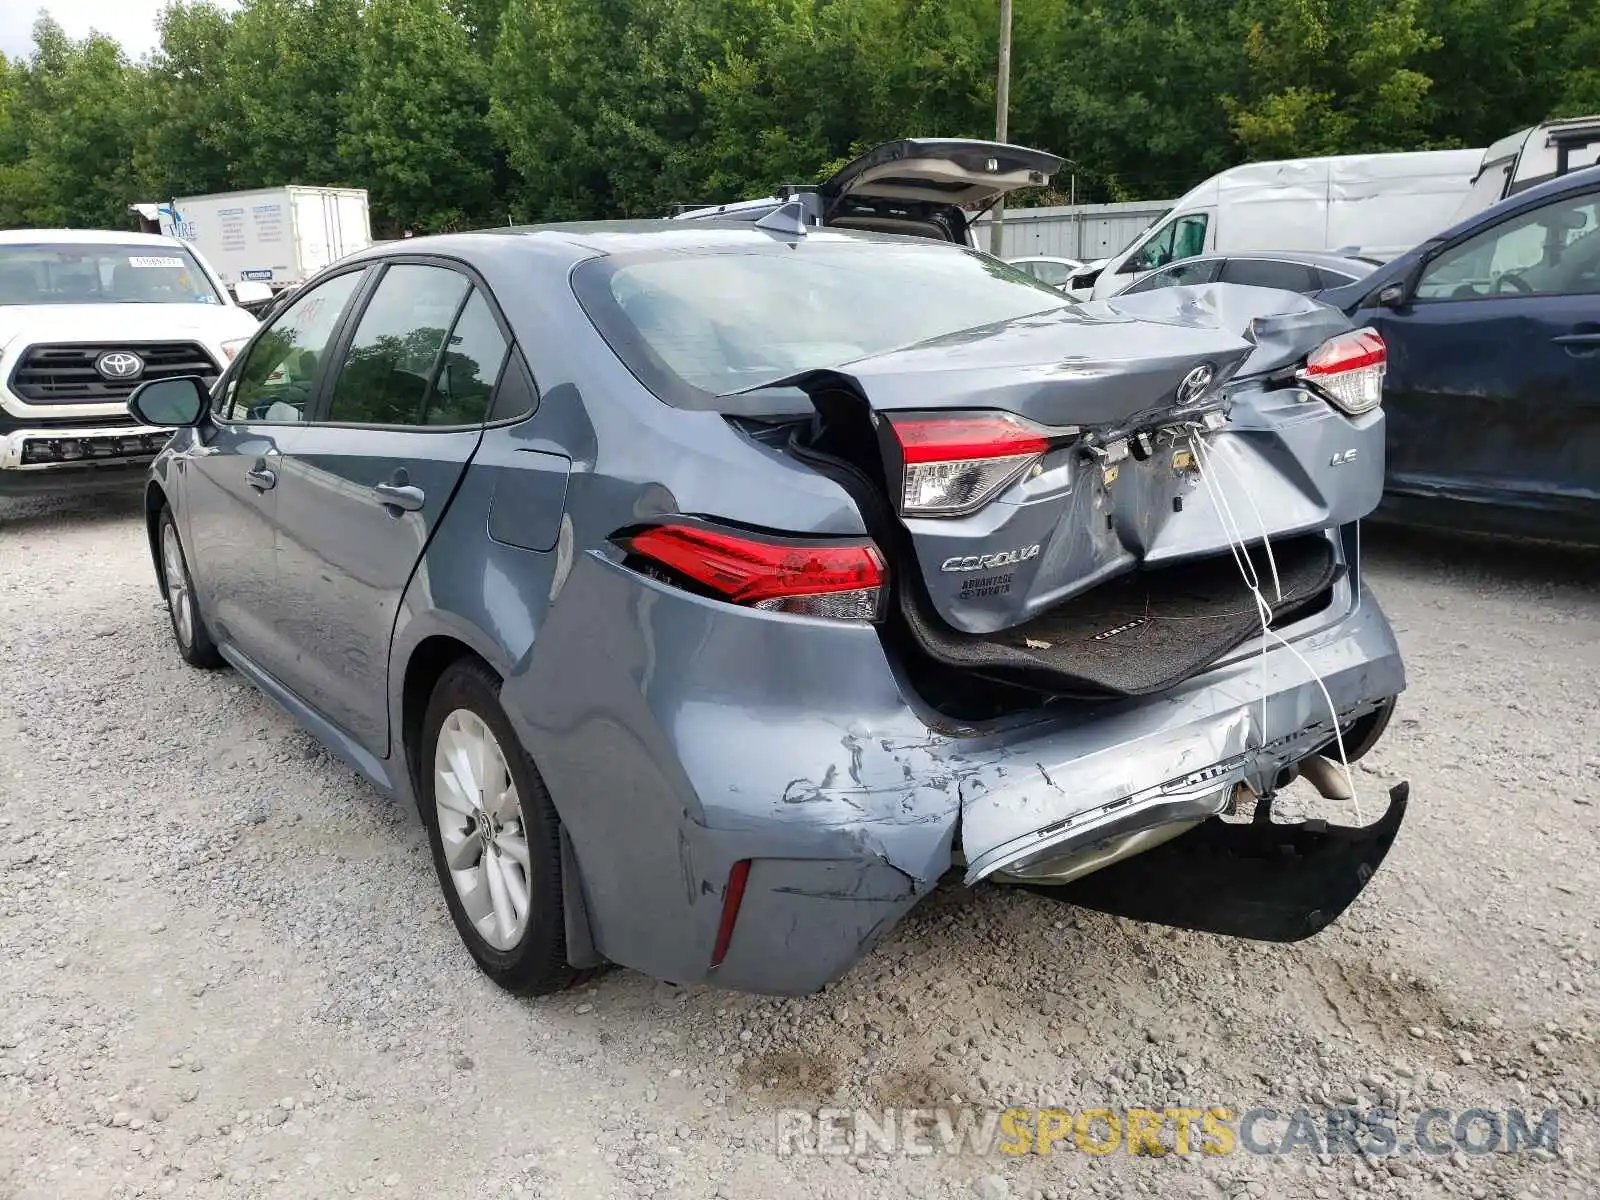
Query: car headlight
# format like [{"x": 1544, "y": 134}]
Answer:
[{"x": 232, "y": 346}]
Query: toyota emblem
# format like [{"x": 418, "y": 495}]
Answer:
[
  {"x": 119, "y": 364},
  {"x": 1196, "y": 383}
]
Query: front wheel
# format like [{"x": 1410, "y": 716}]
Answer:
[
  {"x": 188, "y": 626},
  {"x": 495, "y": 835}
]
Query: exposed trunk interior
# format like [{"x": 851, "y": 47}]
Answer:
[{"x": 1137, "y": 633}]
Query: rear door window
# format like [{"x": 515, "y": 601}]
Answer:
[
  {"x": 469, "y": 369},
  {"x": 1271, "y": 273}
]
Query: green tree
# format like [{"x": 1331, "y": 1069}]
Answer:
[
  {"x": 1127, "y": 89},
  {"x": 418, "y": 135},
  {"x": 71, "y": 124},
  {"x": 590, "y": 103},
  {"x": 290, "y": 64},
  {"x": 457, "y": 112},
  {"x": 1332, "y": 77},
  {"x": 195, "y": 126}
]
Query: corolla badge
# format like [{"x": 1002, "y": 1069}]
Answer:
[
  {"x": 1196, "y": 383},
  {"x": 986, "y": 562},
  {"x": 119, "y": 364}
]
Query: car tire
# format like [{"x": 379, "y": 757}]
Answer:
[
  {"x": 468, "y": 750},
  {"x": 177, "y": 588}
]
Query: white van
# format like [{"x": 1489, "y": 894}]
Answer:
[{"x": 1379, "y": 204}]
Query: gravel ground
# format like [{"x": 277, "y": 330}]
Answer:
[{"x": 228, "y": 969}]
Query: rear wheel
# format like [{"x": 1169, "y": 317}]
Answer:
[
  {"x": 495, "y": 835},
  {"x": 188, "y": 626}
]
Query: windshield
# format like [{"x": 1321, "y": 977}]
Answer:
[
  {"x": 1487, "y": 189},
  {"x": 697, "y": 326},
  {"x": 52, "y": 273}
]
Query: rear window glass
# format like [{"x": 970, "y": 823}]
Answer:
[{"x": 694, "y": 326}]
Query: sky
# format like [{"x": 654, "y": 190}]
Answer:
[{"x": 131, "y": 22}]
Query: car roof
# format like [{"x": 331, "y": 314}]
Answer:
[
  {"x": 82, "y": 237},
  {"x": 588, "y": 239}
]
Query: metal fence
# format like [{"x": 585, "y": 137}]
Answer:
[{"x": 1080, "y": 231}]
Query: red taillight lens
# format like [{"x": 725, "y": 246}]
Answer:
[
  {"x": 840, "y": 579},
  {"x": 955, "y": 463},
  {"x": 1349, "y": 370}
]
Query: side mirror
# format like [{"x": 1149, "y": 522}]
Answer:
[
  {"x": 1399, "y": 293},
  {"x": 251, "y": 291},
  {"x": 1393, "y": 296},
  {"x": 170, "y": 403}
]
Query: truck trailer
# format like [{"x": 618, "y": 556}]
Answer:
[{"x": 278, "y": 236}]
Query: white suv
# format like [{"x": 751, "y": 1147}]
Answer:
[{"x": 85, "y": 316}]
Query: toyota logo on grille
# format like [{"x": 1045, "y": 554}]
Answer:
[{"x": 119, "y": 364}]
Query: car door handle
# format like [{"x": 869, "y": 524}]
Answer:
[
  {"x": 261, "y": 478},
  {"x": 403, "y": 496},
  {"x": 1577, "y": 339}
]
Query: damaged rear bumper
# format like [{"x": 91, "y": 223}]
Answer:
[
  {"x": 1179, "y": 756},
  {"x": 847, "y": 803}
]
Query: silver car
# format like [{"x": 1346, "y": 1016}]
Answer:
[{"x": 716, "y": 589}]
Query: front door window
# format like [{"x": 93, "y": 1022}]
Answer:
[
  {"x": 1553, "y": 250},
  {"x": 274, "y": 382}
]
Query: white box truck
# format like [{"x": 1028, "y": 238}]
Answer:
[{"x": 277, "y": 236}]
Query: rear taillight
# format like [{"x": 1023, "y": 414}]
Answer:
[
  {"x": 1348, "y": 370},
  {"x": 956, "y": 463},
  {"x": 842, "y": 579}
]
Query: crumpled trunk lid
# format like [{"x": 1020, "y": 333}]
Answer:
[{"x": 1119, "y": 492}]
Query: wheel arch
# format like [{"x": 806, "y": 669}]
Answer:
[
  {"x": 429, "y": 659},
  {"x": 425, "y": 664},
  {"x": 155, "y": 499}
]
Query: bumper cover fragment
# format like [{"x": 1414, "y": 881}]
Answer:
[{"x": 1263, "y": 881}]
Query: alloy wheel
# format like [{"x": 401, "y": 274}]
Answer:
[
  {"x": 178, "y": 598},
  {"x": 482, "y": 829}
]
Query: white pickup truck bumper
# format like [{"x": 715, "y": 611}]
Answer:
[{"x": 66, "y": 459}]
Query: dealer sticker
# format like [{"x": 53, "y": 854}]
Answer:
[{"x": 150, "y": 260}]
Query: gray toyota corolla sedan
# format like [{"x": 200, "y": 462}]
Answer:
[{"x": 715, "y": 589}]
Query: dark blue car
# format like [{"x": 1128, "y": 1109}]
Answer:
[{"x": 1493, "y": 386}]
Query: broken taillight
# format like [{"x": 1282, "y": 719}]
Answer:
[
  {"x": 955, "y": 463},
  {"x": 844, "y": 579},
  {"x": 1348, "y": 370}
]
